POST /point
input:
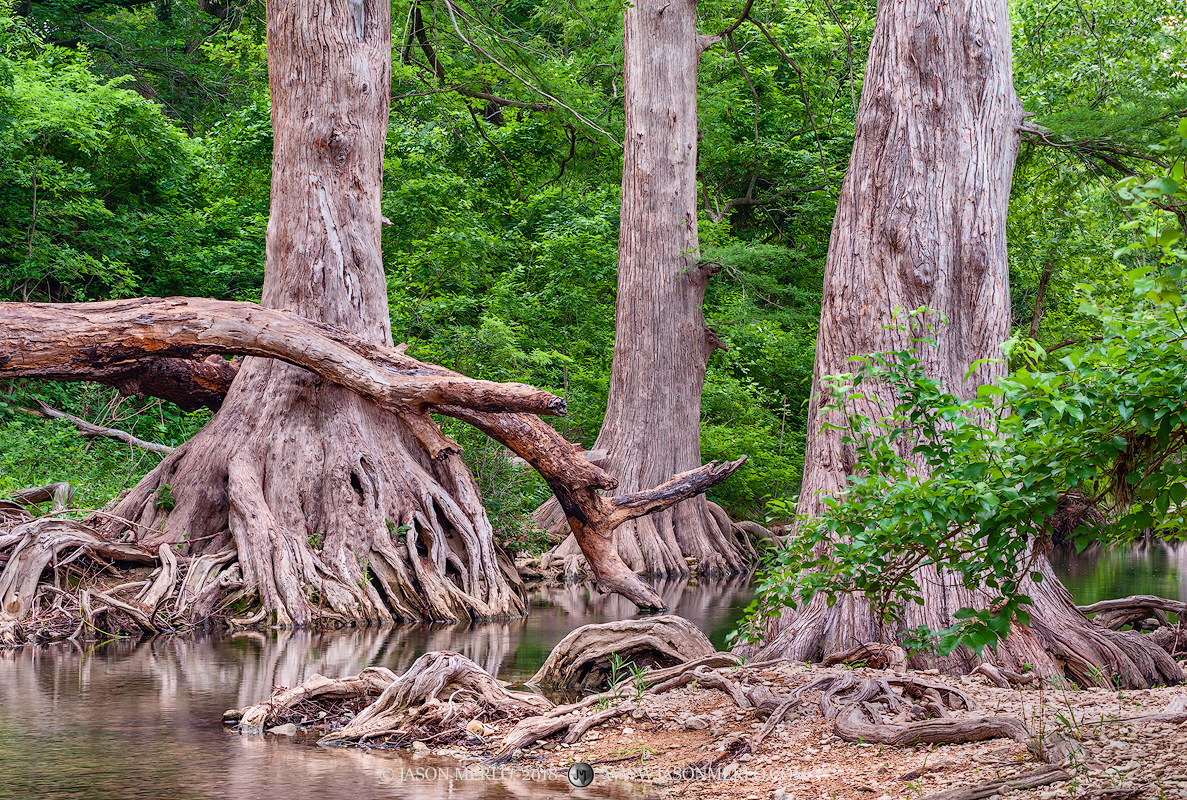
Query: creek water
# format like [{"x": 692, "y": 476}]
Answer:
[{"x": 142, "y": 720}]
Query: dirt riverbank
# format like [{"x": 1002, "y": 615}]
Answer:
[{"x": 672, "y": 745}]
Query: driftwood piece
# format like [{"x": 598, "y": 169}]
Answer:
[
  {"x": 1004, "y": 678},
  {"x": 875, "y": 654},
  {"x": 1042, "y": 776},
  {"x": 1115, "y": 614},
  {"x": 583, "y": 657},
  {"x": 253, "y": 719},
  {"x": 45, "y": 411},
  {"x": 423, "y": 697},
  {"x": 60, "y": 493}
]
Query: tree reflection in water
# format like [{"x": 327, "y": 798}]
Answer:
[
  {"x": 1150, "y": 566},
  {"x": 134, "y": 720}
]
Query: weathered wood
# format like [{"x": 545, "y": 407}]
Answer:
[
  {"x": 68, "y": 341},
  {"x": 186, "y": 383},
  {"x": 878, "y": 656},
  {"x": 662, "y": 344},
  {"x": 591, "y": 517},
  {"x": 371, "y": 682},
  {"x": 921, "y": 223},
  {"x": 425, "y": 695},
  {"x": 582, "y": 658},
  {"x": 60, "y": 493},
  {"x": 1114, "y": 614},
  {"x": 45, "y": 411},
  {"x": 40, "y": 542},
  {"x": 65, "y": 341}
]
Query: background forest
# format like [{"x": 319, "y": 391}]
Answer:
[{"x": 135, "y": 151}]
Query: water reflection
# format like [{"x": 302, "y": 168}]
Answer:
[
  {"x": 1100, "y": 573},
  {"x": 143, "y": 719}
]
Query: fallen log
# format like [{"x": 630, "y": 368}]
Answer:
[
  {"x": 94, "y": 341},
  {"x": 1115, "y": 614}
]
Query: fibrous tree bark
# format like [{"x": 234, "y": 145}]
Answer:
[
  {"x": 662, "y": 344},
  {"x": 322, "y": 474},
  {"x": 316, "y": 488},
  {"x": 921, "y": 222}
]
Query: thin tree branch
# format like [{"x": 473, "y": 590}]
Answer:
[
  {"x": 1037, "y": 315},
  {"x": 803, "y": 91},
  {"x": 525, "y": 81},
  {"x": 45, "y": 411}
]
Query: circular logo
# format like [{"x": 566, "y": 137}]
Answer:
[{"x": 581, "y": 774}]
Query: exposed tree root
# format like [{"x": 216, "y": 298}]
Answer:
[
  {"x": 369, "y": 683},
  {"x": 387, "y": 523},
  {"x": 1115, "y": 614},
  {"x": 439, "y": 687},
  {"x": 444, "y": 699},
  {"x": 1044, "y": 775},
  {"x": 441, "y": 695},
  {"x": 1059, "y": 641},
  {"x": 583, "y": 658}
]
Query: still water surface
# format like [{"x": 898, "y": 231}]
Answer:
[{"x": 141, "y": 721}]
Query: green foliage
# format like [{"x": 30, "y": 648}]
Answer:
[
  {"x": 36, "y": 452},
  {"x": 164, "y": 497},
  {"x": 104, "y": 196}
]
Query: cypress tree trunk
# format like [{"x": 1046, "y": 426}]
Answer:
[
  {"x": 662, "y": 344},
  {"x": 335, "y": 509},
  {"x": 922, "y": 222}
]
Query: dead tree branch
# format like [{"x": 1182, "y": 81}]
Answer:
[{"x": 88, "y": 429}]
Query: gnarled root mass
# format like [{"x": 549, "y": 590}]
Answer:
[
  {"x": 445, "y": 700},
  {"x": 444, "y": 696},
  {"x": 1059, "y": 641},
  {"x": 586, "y": 656},
  {"x": 323, "y": 470}
]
